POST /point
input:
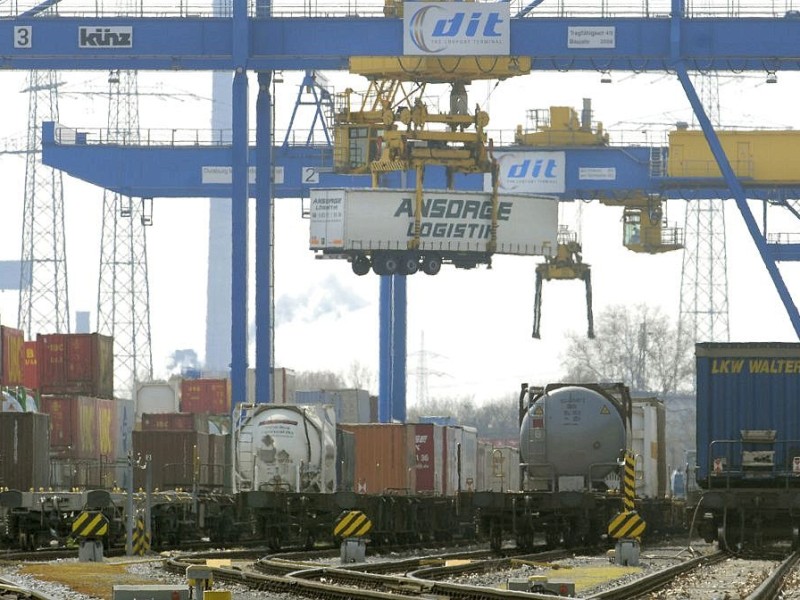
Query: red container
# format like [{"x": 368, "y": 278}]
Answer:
[
  {"x": 30, "y": 365},
  {"x": 385, "y": 458},
  {"x": 429, "y": 447},
  {"x": 176, "y": 457},
  {"x": 76, "y": 363},
  {"x": 205, "y": 396},
  {"x": 74, "y": 426},
  {"x": 11, "y": 341},
  {"x": 24, "y": 451},
  {"x": 174, "y": 422}
]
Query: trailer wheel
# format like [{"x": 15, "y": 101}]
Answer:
[
  {"x": 431, "y": 264},
  {"x": 361, "y": 265},
  {"x": 385, "y": 263},
  {"x": 409, "y": 263}
]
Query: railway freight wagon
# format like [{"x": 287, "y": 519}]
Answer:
[
  {"x": 748, "y": 442},
  {"x": 572, "y": 439},
  {"x": 377, "y": 228},
  {"x": 297, "y": 471}
]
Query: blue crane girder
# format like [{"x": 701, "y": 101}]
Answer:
[
  {"x": 326, "y": 43},
  {"x": 245, "y": 43}
]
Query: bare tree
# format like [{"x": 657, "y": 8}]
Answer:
[
  {"x": 319, "y": 380},
  {"x": 638, "y": 346},
  {"x": 360, "y": 376}
]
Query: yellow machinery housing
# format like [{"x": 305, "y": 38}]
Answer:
[{"x": 758, "y": 157}]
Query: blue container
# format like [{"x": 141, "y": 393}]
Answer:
[
  {"x": 748, "y": 414},
  {"x": 444, "y": 421}
]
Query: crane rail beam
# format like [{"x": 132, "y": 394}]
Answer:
[{"x": 209, "y": 43}]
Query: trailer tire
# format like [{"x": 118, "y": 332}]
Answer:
[
  {"x": 361, "y": 265},
  {"x": 385, "y": 263},
  {"x": 431, "y": 264},
  {"x": 409, "y": 263}
]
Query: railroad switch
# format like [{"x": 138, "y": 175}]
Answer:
[{"x": 541, "y": 584}]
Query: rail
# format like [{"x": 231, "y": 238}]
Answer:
[{"x": 375, "y": 8}]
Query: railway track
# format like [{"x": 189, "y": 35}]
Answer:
[{"x": 316, "y": 575}]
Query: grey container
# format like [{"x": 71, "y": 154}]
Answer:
[
  {"x": 350, "y": 405},
  {"x": 24, "y": 450}
]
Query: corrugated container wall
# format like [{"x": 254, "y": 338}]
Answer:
[
  {"x": 648, "y": 444},
  {"x": 76, "y": 363},
  {"x": 156, "y": 397},
  {"x": 214, "y": 467},
  {"x": 175, "y": 422},
  {"x": 461, "y": 458},
  {"x": 178, "y": 459},
  {"x": 345, "y": 460},
  {"x": 73, "y": 426},
  {"x": 11, "y": 352},
  {"x": 351, "y": 406},
  {"x": 125, "y": 421},
  {"x": 429, "y": 449},
  {"x": 30, "y": 365},
  {"x": 210, "y": 396},
  {"x": 24, "y": 451},
  {"x": 283, "y": 386},
  {"x": 747, "y": 387},
  {"x": 385, "y": 459},
  {"x": 498, "y": 468}
]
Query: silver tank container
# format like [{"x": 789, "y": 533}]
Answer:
[{"x": 571, "y": 438}]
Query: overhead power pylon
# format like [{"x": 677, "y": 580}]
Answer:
[
  {"x": 44, "y": 289},
  {"x": 123, "y": 296}
]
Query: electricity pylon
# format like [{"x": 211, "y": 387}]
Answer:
[
  {"x": 123, "y": 297},
  {"x": 704, "y": 275},
  {"x": 44, "y": 290}
]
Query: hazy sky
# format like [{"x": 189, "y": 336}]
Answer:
[{"x": 476, "y": 324}]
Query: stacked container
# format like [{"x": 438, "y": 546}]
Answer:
[
  {"x": 76, "y": 364},
  {"x": 283, "y": 387},
  {"x": 211, "y": 396},
  {"x": 11, "y": 353},
  {"x": 350, "y": 405},
  {"x": 90, "y": 432},
  {"x": 156, "y": 397},
  {"x": 24, "y": 451}
]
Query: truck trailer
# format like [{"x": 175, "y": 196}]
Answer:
[{"x": 382, "y": 230}]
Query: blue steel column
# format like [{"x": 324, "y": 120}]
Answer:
[
  {"x": 727, "y": 171},
  {"x": 263, "y": 237},
  {"x": 399, "y": 337},
  {"x": 239, "y": 201},
  {"x": 385, "y": 318}
]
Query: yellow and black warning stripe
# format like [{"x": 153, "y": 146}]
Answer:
[
  {"x": 627, "y": 524},
  {"x": 353, "y": 523},
  {"x": 629, "y": 482},
  {"x": 141, "y": 541},
  {"x": 90, "y": 524}
]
